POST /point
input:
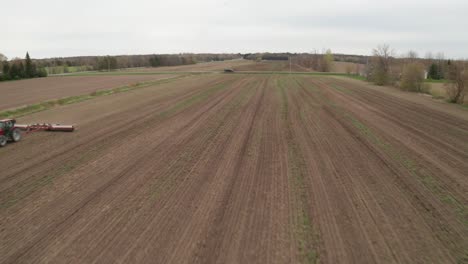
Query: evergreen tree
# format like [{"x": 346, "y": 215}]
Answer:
[
  {"x": 107, "y": 63},
  {"x": 434, "y": 72},
  {"x": 21, "y": 70},
  {"x": 34, "y": 71},
  {"x": 29, "y": 69},
  {"x": 6, "y": 70},
  {"x": 15, "y": 71},
  {"x": 154, "y": 61}
]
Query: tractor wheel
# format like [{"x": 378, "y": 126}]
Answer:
[
  {"x": 3, "y": 141},
  {"x": 16, "y": 135}
]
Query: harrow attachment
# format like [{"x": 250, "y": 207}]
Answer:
[{"x": 45, "y": 127}]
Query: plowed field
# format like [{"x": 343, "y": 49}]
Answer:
[
  {"x": 25, "y": 92},
  {"x": 240, "y": 169}
]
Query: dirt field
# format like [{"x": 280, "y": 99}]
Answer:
[
  {"x": 283, "y": 66},
  {"x": 199, "y": 67},
  {"x": 274, "y": 66},
  {"x": 347, "y": 67},
  {"x": 241, "y": 169},
  {"x": 25, "y": 92}
]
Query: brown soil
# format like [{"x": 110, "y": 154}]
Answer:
[
  {"x": 283, "y": 66},
  {"x": 199, "y": 67},
  {"x": 274, "y": 66},
  {"x": 240, "y": 169},
  {"x": 347, "y": 67},
  {"x": 25, "y": 92}
]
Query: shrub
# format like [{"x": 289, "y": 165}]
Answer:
[
  {"x": 42, "y": 72},
  {"x": 412, "y": 77},
  {"x": 426, "y": 88},
  {"x": 458, "y": 76}
]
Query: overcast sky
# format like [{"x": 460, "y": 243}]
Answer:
[{"x": 52, "y": 28}]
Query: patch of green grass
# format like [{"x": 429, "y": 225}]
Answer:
[
  {"x": 25, "y": 110},
  {"x": 435, "y": 81},
  {"x": 304, "y": 232},
  {"x": 356, "y": 77},
  {"x": 69, "y": 69},
  {"x": 34, "y": 108},
  {"x": 302, "y": 224},
  {"x": 414, "y": 169}
]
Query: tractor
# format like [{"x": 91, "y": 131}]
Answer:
[{"x": 8, "y": 131}]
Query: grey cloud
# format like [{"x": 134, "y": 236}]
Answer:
[{"x": 64, "y": 28}]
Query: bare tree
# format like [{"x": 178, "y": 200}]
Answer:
[
  {"x": 458, "y": 75},
  {"x": 440, "y": 56},
  {"x": 380, "y": 65},
  {"x": 441, "y": 64},
  {"x": 429, "y": 56},
  {"x": 411, "y": 56}
]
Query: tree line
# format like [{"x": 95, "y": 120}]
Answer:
[
  {"x": 25, "y": 68},
  {"x": 103, "y": 63},
  {"x": 322, "y": 62},
  {"x": 20, "y": 69},
  {"x": 408, "y": 72}
]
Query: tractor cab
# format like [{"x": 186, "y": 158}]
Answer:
[
  {"x": 7, "y": 123},
  {"x": 8, "y": 131}
]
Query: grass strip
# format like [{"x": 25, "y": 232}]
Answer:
[
  {"x": 124, "y": 73},
  {"x": 303, "y": 229},
  {"x": 34, "y": 108},
  {"x": 436, "y": 81}
]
